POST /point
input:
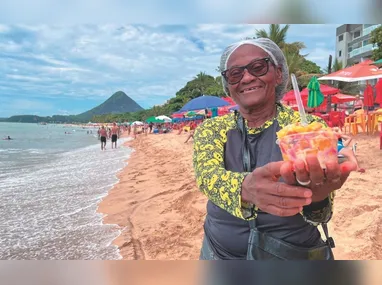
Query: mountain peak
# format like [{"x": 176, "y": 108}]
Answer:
[{"x": 118, "y": 103}]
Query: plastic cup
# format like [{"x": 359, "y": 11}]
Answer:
[{"x": 321, "y": 143}]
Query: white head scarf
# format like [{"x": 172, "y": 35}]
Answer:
[{"x": 271, "y": 49}]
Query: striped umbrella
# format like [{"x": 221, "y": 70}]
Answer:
[{"x": 315, "y": 97}]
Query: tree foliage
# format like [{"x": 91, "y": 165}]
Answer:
[
  {"x": 376, "y": 40},
  {"x": 201, "y": 84},
  {"x": 297, "y": 63}
]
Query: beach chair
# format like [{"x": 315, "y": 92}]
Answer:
[{"x": 336, "y": 119}]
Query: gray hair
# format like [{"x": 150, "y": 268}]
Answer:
[{"x": 271, "y": 49}]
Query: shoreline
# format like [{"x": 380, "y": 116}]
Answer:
[
  {"x": 161, "y": 212},
  {"x": 156, "y": 199}
]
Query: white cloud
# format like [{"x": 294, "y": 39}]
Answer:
[
  {"x": 23, "y": 77},
  {"x": 149, "y": 63}
]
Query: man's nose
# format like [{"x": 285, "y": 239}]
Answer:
[{"x": 247, "y": 77}]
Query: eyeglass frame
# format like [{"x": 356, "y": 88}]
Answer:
[{"x": 245, "y": 67}]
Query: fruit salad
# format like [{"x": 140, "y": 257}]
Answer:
[{"x": 297, "y": 141}]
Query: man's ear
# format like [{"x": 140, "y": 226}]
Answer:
[{"x": 279, "y": 75}]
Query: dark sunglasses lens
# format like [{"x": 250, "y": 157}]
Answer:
[
  {"x": 258, "y": 68},
  {"x": 234, "y": 75}
]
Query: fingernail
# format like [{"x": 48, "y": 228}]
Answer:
[{"x": 308, "y": 201}]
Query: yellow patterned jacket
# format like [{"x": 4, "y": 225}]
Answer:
[{"x": 223, "y": 187}]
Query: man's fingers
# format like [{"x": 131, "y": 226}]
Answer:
[
  {"x": 333, "y": 172},
  {"x": 286, "y": 202},
  {"x": 270, "y": 170},
  {"x": 285, "y": 190},
  {"x": 287, "y": 173},
  {"x": 281, "y": 212},
  {"x": 315, "y": 171},
  {"x": 347, "y": 167},
  {"x": 302, "y": 173}
]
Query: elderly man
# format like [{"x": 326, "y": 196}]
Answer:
[{"x": 259, "y": 206}]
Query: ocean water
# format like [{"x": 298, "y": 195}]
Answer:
[{"x": 50, "y": 187}]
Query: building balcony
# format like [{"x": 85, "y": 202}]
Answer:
[
  {"x": 360, "y": 50},
  {"x": 368, "y": 30}
]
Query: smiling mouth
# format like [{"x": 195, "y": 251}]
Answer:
[{"x": 250, "y": 89}]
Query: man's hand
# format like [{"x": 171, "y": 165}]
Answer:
[
  {"x": 321, "y": 181},
  {"x": 262, "y": 188}
]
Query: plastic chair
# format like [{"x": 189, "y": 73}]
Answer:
[
  {"x": 360, "y": 120},
  {"x": 351, "y": 125},
  {"x": 336, "y": 119}
]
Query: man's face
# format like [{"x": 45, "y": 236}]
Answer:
[{"x": 251, "y": 91}]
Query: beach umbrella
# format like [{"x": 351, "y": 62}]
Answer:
[
  {"x": 204, "y": 102},
  {"x": 325, "y": 89},
  {"x": 229, "y": 100},
  {"x": 315, "y": 97},
  {"x": 368, "y": 98},
  {"x": 138, "y": 123},
  {"x": 378, "y": 91},
  {"x": 191, "y": 114},
  {"x": 378, "y": 63},
  {"x": 362, "y": 71},
  {"x": 153, "y": 119},
  {"x": 164, "y": 118},
  {"x": 342, "y": 98}
]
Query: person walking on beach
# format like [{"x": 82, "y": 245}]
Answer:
[
  {"x": 103, "y": 136},
  {"x": 114, "y": 135},
  {"x": 128, "y": 129},
  {"x": 259, "y": 206}
]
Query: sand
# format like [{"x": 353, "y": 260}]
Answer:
[{"x": 161, "y": 212}]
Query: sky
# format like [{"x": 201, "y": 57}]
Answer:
[{"x": 68, "y": 69}]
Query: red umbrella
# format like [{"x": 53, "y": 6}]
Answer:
[
  {"x": 342, "y": 98},
  {"x": 378, "y": 90},
  {"x": 368, "y": 99},
  {"x": 358, "y": 72},
  {"x": 325, "y": 89},
  {"x": 229, "y": 100}
]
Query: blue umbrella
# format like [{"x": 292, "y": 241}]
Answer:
[{"x": 204, "y": 102}]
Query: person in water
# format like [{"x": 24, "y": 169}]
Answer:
[
  {"x": 114, "y": 135},
  {"x": 103, "y": 136}
]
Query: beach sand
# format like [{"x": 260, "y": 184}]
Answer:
[{"x": 161, "y": 212}]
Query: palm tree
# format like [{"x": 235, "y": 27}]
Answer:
[
  {"x": 291, "y": 50},
  {"x": 278, "y": 35}
]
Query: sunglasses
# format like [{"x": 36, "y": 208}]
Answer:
[{"x": 257, "y": 67}]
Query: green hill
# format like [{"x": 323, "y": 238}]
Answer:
[{"x": 118, "y": 103}]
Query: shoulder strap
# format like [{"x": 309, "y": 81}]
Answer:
[
  {"x": 329, "y": 240},
  {"x": 245, "y": 148}
]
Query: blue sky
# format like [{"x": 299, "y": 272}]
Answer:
[{"x": 47, "y": 69}]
